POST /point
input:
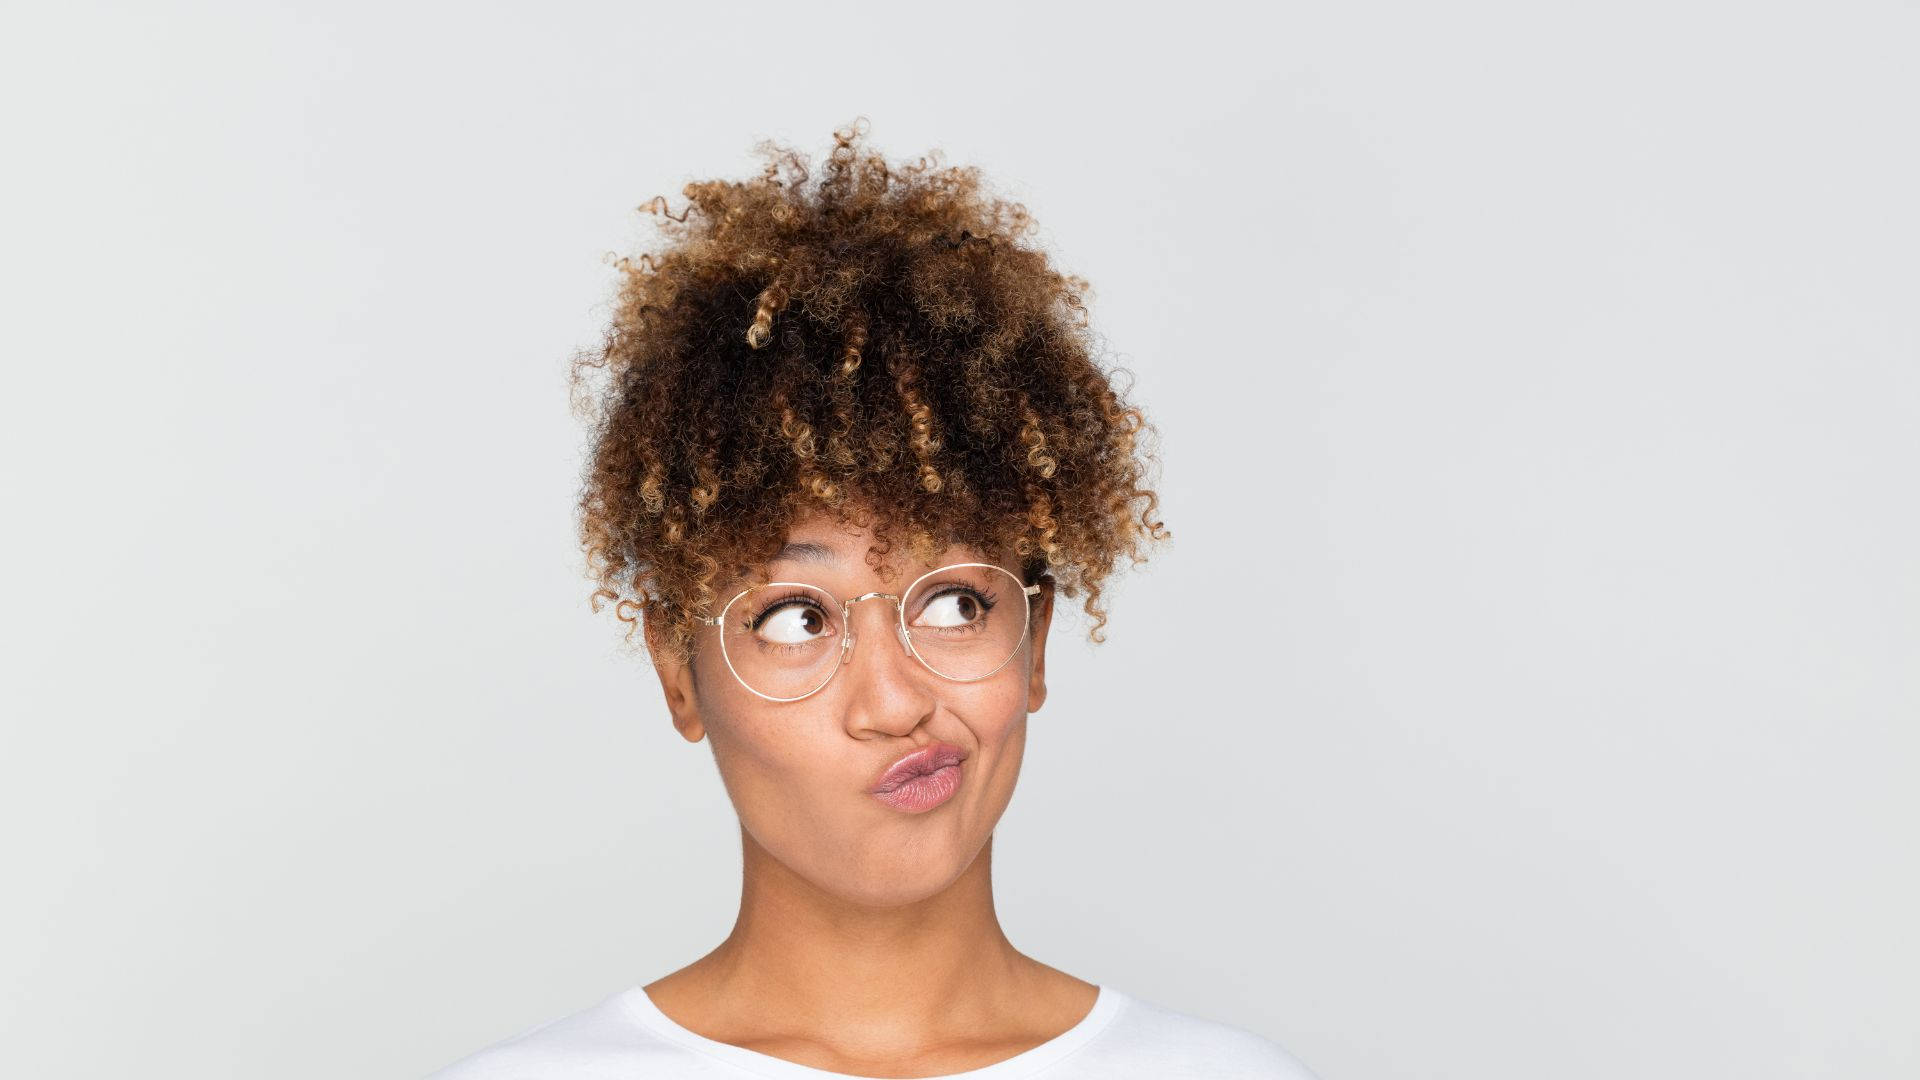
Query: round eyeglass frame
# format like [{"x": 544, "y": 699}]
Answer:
[{"x": 1027, "y": 593}]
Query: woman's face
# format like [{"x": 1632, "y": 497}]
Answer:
[{"x": 799, "y": 772}]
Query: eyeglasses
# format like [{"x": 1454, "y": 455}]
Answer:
[{"x": 785, "y": 640}]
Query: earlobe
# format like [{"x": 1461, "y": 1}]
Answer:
[{"x": 689, "y": 728}]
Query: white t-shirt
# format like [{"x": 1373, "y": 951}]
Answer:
[{"x": 627, "y": 1037}]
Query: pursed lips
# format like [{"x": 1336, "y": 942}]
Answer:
[{"x": 921, "y": 762}]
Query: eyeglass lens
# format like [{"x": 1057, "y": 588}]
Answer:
[{"x": 964, "y": 622}]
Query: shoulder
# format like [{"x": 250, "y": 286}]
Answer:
[
  {"x": 1166, "y": 1042},
  {"x": 602, "y": 1042}
]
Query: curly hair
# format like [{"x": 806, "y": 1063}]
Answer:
[{"x": 878, "y": 345}]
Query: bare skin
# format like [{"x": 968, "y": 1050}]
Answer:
[{"x": 867, "y": 941}]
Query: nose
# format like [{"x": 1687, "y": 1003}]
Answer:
[
  {"x": 888, "y": 691},
  {"x": 889, "y": 612}
]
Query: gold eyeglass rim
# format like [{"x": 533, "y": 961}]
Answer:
[{"x": 1027, "y": 593}]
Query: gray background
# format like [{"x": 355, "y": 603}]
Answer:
[{"x": 1530, "y": 689}]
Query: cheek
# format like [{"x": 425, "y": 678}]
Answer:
[
  {"x": 992, "y": 710},
  {"x": 783, "y": 765},
  {"x": 1000, "y": 702}
]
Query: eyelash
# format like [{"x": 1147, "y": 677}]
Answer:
[{"x": 754, "y": 620}]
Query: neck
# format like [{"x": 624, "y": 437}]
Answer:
[{"x": 886, "y": 977}]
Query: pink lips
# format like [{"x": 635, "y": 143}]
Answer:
[{"x": 922, "y": 780}]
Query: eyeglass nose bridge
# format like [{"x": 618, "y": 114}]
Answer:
[{"x": 846, "y": 622}]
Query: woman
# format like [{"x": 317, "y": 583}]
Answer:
[{"x": 803, "y": 378}]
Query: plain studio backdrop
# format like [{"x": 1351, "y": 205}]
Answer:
[{"x": 1530, "y": 689}]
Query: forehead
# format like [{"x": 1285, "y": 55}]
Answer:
[
  {"x": 819, "y": 541},
  {"x": 849, "y": 553}
]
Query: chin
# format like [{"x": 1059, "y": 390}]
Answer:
[
  {"x": 924, "y": 871},
  {"x": 894, "y": 893}
]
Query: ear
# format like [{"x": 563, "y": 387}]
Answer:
[
  {"x": 677, "y": 682},
  {"x": 1041, "y": 621}
]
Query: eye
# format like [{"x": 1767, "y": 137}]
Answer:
[
  {"x": 790, "y": 622},
  {"x": 959, "y": 607}
]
